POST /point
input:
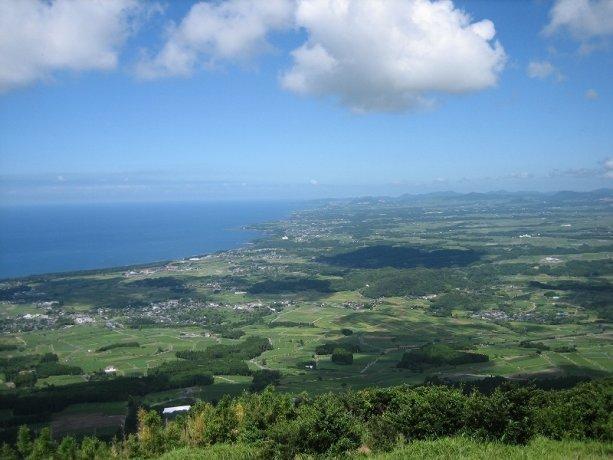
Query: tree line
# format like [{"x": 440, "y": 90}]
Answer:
[
  {"x": 281, "y": 425},
  {"x": 25, "y": 370}
]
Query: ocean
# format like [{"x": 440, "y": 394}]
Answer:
[{"x": 59, "y": 238}]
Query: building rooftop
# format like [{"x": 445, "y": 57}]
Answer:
[{"x": 171, "y": 410}]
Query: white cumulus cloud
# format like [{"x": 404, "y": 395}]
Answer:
[
  {"x": 217, "y": 31},
  {"x": 391, "y": 55},
  {"x": 583, "y": 19},
  {"x": 608, "y": 168},
  {"x": 39, "y": 37},
  {"x": 543, "y": 70}
]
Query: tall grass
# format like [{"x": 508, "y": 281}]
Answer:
[
  {"x": 215, "y": 452},
  {"x": 466, "y": 448},
  {"x": 439, "y": 449}
]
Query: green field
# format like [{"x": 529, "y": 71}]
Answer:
[{"x": 78, "y": 345}]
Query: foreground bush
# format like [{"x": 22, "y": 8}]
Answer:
[
  {"x": 264, "y": 377},
  {"x": 280, "y": 425}
]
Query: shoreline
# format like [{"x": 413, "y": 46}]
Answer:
[
  {"x": 248, "y": 229},
  {"x": 115, "y": 268}
]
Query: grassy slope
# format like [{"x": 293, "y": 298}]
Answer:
[
  {"x": 446, "y": 448},
  {"x": 452, "y": 448},
  {"x": 216, "y": 452}
]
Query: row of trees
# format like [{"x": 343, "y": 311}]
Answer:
[
  {"x": 55, "y": 398},
  {"x": 217, "y": 359},
  {"x": 25, "y": 370},
  {"x": 341, "y": 356},
  {"x": 329, "y": 347},
  {"x": 285, "y": 425},
  {"x": 43, "y": 447},
  {"x": 112, "y": 346}
]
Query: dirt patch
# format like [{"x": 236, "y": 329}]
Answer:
[{"x": 85, "y": 423}]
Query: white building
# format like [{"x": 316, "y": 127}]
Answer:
[
  {"x": 175, "y": 409},
  {"x": 171, "y": 412}
]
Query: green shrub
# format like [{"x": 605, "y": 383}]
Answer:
[
  {"x": 43, "y": 446},
  {"x": 112, "y": 346},
  {"x": 8, "y": 347},
  {"x": 583, "y": 412},
  {"x": 25, "y": 379},
  {"x": 342, "y": 356},
  {"x": 264, "y": 377},
  {"x": 565, "y": 349},
  {"x": 540, "y": 346},
  {"x": 438, "y": 354},
  {"x": 48, "y": 369},
  {"x": 323, "y": 426},
  {"x": 68, "y": 449},
  {"x": 329, "y": 347},
  {"x": 233, "y": 334}
]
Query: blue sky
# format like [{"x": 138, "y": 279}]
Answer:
[{"x": 234, "y": 125}]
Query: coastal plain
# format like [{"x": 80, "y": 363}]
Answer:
[{"x": 523, "y": 281}]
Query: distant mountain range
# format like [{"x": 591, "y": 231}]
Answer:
[{"x": 451, "y": 196}]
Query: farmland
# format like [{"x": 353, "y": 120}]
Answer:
[{"x": 522, "y": 280}]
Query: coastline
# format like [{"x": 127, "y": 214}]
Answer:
[{"x": 207, "y": 234}]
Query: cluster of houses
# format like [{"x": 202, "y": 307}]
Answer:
[
  {"x": 530, "y": 316},
  {"x": 184, "y": 265},
  {"x": 50, "y": 318}
]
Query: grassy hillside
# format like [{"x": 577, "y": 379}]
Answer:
[
  {"x": 542, "y": 448},
  {"x": 440, "y": 449}
]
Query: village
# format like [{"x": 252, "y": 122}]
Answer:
[{"x": 169, "y": 313}]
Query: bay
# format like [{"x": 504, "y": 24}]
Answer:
[{"x": 60, "y": 238}]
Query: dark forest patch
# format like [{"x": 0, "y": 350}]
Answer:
[
  {"x": 438, "y": 355},
  {"x": 167, "y": 282},
  {"x": 594, "y": 294},
  {"x": 290, "y": 284},
  {"x": 112, "y": 346},
  {"x": 402, "y": 257}
]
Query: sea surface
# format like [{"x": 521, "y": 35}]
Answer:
[{"x": 59, "y": 238}]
